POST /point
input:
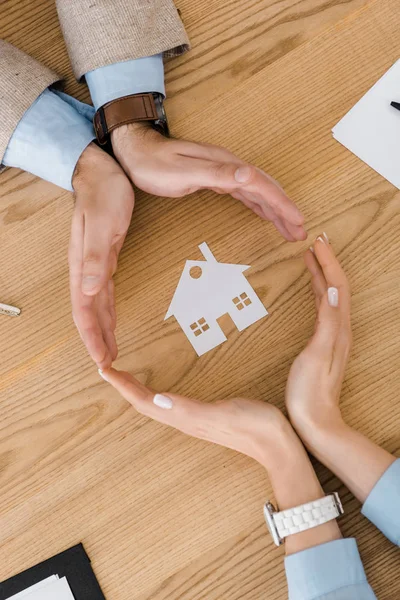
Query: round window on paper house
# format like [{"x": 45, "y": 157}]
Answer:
[{"x": 195, "y": 272}]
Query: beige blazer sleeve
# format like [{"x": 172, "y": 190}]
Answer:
[
  {"x": 103, "y": 32},
  {"x": 22, "y": 80}
]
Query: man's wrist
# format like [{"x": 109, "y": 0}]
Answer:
[
  {"x": 92, "y": 164},
  {"x": 132, "y": 134},
  {"x": 132, "y": 142}
]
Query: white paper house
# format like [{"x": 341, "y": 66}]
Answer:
[{"x": 206, "y": 291}]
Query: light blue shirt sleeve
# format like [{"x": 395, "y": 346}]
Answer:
[
  {"x": 334, "y": 571},
  {"x": 382, "y": 507},
  {"x": 50, "y": 138},
  {"x": 137, "y": 76},
  {"x": 331, "y": 571},
  {"x": 56, "y": 129}
]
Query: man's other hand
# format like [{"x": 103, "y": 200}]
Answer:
[
  {"x": 103, "y": 211},
  {"x": 174, "y": 168}
]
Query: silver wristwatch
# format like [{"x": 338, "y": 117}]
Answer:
[{"x": 306, "y": 516}]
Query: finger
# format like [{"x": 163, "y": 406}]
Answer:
[
  {"x": 333, "y": 273},
  {"x": 186, "y": 415},
  {"x": 318, "y": 280},
  {"x": 208, "y": 152},
  {"x": 247, "y": 175},
  {"x": 111, "y": 304},
  {"x": 98, "y": 238},
  {"x": 336, "y": 278},
  {"x": 88, "y": 325},
  {"x": 106, "y": 321},
  {"x": 326, "y": 330},
  {"x": 84, "y": 309},
  {"x": 262, "y": 209},
  {"x": 297, "y": 231},
  {"x": 268, "y": 190},
  {"x": 220, "y": 154},
  {"x": 270, "y": 215},
  {"x": 267, "y": 203},
  {"x": 229, "y": 176},
  {"x": 280, "y": 226},
  {"x": 75, "y": 251}
]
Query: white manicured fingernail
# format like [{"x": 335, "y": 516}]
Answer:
[
  {"x": 321, "y": 239},
  {"x": 312, "y": 249},
  {"x": 325, "y": 236},
  {"x": 101, "y": 374},
  {"x": 333, "y": 297},
  {"x": 162, "y": 401}
]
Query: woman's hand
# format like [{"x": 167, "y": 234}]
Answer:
[
  {"x": 316, "y": 377},
  {"x": 175, "y": 168},
  {"x": 254, "y": 428},
  {"x": 315, "y": 381}
]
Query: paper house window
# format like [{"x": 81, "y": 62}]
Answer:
[
  {"x": 199, "y": 327},
  {"x": 241, "y": 301}
]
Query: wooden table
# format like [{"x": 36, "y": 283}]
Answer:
[{"x": 163, "y": 516}]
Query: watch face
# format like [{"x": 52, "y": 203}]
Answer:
[{"x": 269, "y": 511}]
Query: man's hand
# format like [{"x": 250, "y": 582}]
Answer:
[
  {"x": 175, "y": 168},
  {"x": 103, "y": 211}
]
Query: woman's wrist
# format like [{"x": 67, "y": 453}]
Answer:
[
  {"x": 277, "y": 444},
  {"x": 294, "y": 482},
  {"x": 352, "y": 457},
  {"x": 316, "y": 432}
]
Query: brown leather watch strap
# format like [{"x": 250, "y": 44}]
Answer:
[{"x": 128, "y": 109}]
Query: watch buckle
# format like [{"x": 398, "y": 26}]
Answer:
[
  {"x": 338, "y": 503},
  {"x": 100, "y": 126},
  {"x": 269, "y": 510}
]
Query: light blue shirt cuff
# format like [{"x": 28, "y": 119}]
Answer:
[
  {"x": 137, "y": 76},
  {"x": 382, "y": 507},
  {"x": 331, "y": 571},
  {"x": 50, "y": 138}
]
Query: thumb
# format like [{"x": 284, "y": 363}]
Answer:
[
  {"x": 225, "y": 176},
  {"x": 96, "y": 253}
]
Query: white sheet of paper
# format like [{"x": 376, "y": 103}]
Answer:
[
  {"x": 33, "y": 588},
  {"x": 371, "y": 129},
  {"x": 57, "y": 589}
]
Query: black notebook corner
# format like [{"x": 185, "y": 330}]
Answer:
[{"x": 74, "y": 564}]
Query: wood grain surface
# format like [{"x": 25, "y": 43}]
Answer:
[{"x": 161, "y": 515}]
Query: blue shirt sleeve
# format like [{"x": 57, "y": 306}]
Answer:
[
  {"x": 382, "y": 507},
  {"x": 125, "y": 78},
  {"x": 331, "y": 571},
  {"x": 50, "y": 138}
]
